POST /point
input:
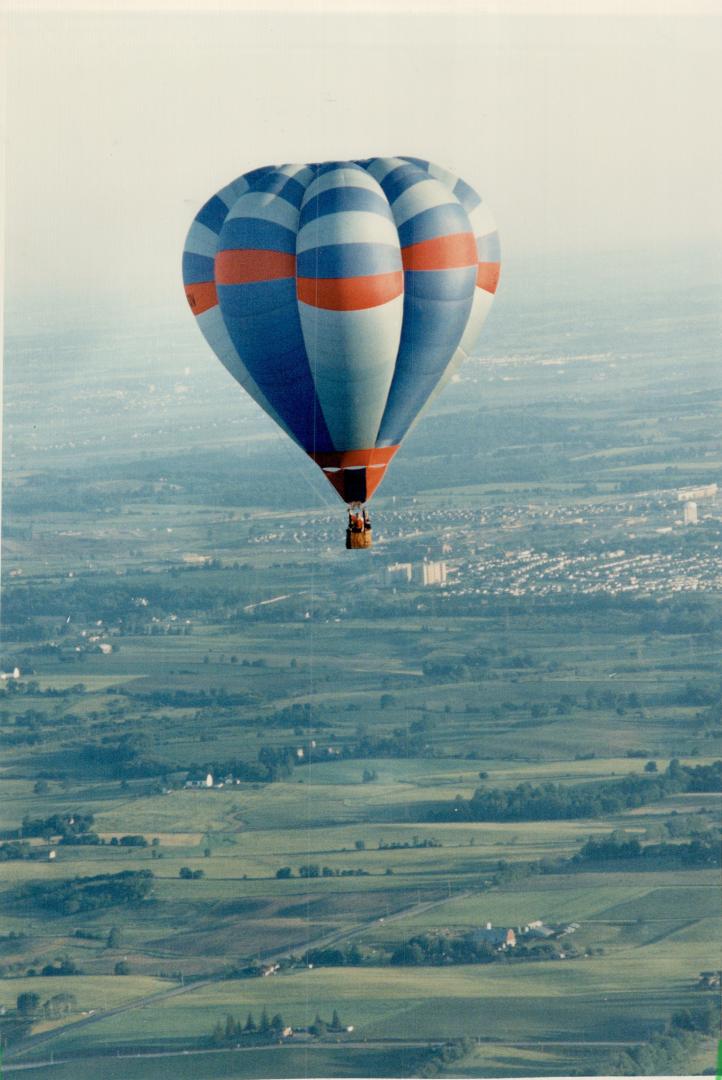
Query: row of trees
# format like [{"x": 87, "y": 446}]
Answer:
[
  {"x": 702, "y": 851},
  {"x": 267, "y": 1028},
  {"x": 89, "y": 893},
  {"x": 70, "y": 824},
  {"x": 273, "y": 763},
  {"x": 669, "y": 1051},
  {"x": 28, "y": 1005},
  {"x": 550, "y": 802},
  {"x": 14, "y": 849},
  {"x": 314, "y": 870}
]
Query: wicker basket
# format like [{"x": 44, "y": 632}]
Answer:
[{"x": 358, "y": 539}]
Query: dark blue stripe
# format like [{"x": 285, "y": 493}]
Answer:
[
  {"x": 348, "y": 260},
  {"x": 488, "y": 248},
  {"x": 430, "y": 326},
  {"x": 444, "y": 220},
  {"x": 466, "y": 195},
  {"x": 430, "y": 335},
  {"x": 255, "y": 175},
  {"x": 260, "y": 335},
  {"x": 456, "y": 284},
  {"x": 330, "y": 166},
  {"x": 253, "y": 232},
  {"x": 213, "y": 214},
  {"x": 272, "y": 349},
  {"x": 196, "y": 268},
  {"x": 284, "y": 186},
  {"x": 400, "y": 180},
  {"x": 256, "y": 297},
  {"x": 343, "y": 198}
]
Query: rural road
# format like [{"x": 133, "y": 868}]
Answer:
[{"x": 324, "y": 941}]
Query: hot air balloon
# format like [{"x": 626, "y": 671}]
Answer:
[{"x": 342, "y": 296}]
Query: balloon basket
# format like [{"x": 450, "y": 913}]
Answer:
[{"x": 358, "y": 539}]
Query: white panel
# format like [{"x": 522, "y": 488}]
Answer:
[
  {"x": 201, "y": 240},
  {"x": 266, "y": 205},
  {"x": 352, "y": 355},
  {"x": 479, "y": 310},
  {"x": 381, "y": 167},
  {"x": 347, "y": 227},
  {"x": 447, "y": 178},
  {"x": 343, "y": 177},
  {"x": 422, "y": 196},
  {"x": 481, "y": 220}
]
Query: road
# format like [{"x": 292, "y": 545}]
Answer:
[{"x": 326, "y": 940}]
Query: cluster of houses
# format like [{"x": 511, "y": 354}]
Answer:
[{"x": 501, "y": 937}]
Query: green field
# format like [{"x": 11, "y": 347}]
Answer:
[{"x": 350, "y": 718}]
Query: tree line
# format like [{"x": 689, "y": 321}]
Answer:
[
  {"x": 702, "y": 851},
  {"x": 89, "y": 893},
  {"x": 551, "y": 802},
  {"x": 267, "y": 1029},
  {"x": 669, "y": 1051}
]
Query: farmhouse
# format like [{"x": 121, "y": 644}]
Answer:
[
  {"x": 195, "y": 784},
  {"x": 498, "y": 936}
]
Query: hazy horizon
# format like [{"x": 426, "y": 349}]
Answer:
[{"x": 584, "y": 134}]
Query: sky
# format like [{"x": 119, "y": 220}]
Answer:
[{"x": 585, "y": 134}]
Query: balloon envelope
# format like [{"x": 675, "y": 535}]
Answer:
[{"x": 341, "y": 296}]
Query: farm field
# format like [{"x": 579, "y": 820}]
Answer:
[{"x": 392, "y": 767}]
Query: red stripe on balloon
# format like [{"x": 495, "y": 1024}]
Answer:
[
  {"x": 441, "y": 253},
  {"x": 241, "y": 266},
  {"x": 201, "y": 296},
  {"x": 487, "y": 276},
  {"x": 351, "y": 293},
  {"x": 345, "y": 459}
]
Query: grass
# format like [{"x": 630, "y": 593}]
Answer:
[
  {"x": 273, "y": 1063},
  {"x": 615, "y": 997}
]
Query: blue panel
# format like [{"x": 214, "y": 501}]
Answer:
[
  {"x": 488, "y": 248},
  {"x": 437, "y": 322},
  {"x": 348, "y": 260},
  {"x": 401, "y": 179},
  {"x": 256, "y": 297},
  {"x": 256, "y": 234},
  {"x": 196, "y": 268},
  {"x": 466, "y": 195},
  {"x": 271, "y": 345},
  {"x": 286, "y": 187},
  {"x": 268, "y": 333},
  {"x": 444, "y": 220},
  {"x": 213, "y": 214},
  {"x": 430, "y": 336},
  {"x": 456, "y": 284},
  {"x": 343, "y": 198},
  {"x": 255, "y": 175}
]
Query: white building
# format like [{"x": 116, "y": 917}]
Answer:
[
  {"x": 207, "y": 783},
  {"x": 429, "y": 573},
  {"x": 689, "y": 514},
  {"x": 704, "y": 491}
]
